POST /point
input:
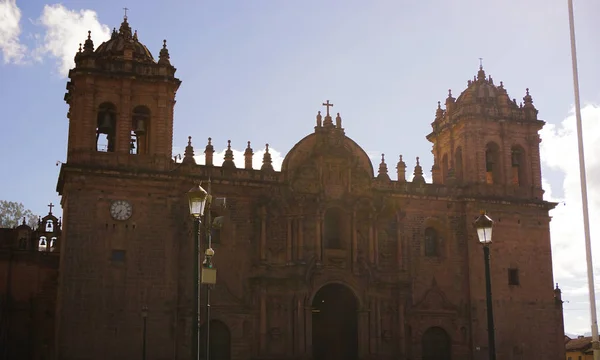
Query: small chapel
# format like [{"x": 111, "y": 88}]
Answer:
[{"x": 328, "y": 258}]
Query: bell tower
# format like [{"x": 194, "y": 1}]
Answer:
[
  {"x": 121, "y": 103},
  {"x": 121, "y": 231},
  {"x": 486, "y": 139}
]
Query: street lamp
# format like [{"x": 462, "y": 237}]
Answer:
[
  {"x": 484, "y": 226},
  {"x": 145, "y": 317},
  {"x": 197, "y": 198}
]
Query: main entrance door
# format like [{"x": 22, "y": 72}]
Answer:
[
  {"x": 436, "y": 344},
  {"x": 335, "y": 323},
  {"x": 220, "y": 341}
]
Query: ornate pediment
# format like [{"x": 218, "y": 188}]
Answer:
[{"x": 434, "y": 301}]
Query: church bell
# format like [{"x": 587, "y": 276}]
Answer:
[
  {"x": 105, "y": 124},
  {"x": 140, "y": 127}
]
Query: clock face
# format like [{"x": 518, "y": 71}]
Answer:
[{"x": 121, "y": 209}]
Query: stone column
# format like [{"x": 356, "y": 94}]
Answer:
[
  {"x": 376, "y": 244},
  {"x": 288, "y": 245},
  {"x": 363, "y": 332},
  {"x": 401, "y": 330},
  {"x": 263, "y": 234},
  {"x": 263, "y": 320},
  {"x": 123, "y": 130},
  {"x": 354, "y": 243},
  {"x": 399, "y": 244},
  {"x": 308, "y": 326},
  {"x": 300, "y": 244},
  {"x": 371, "y": 240},
  {"x": 300, "y": 326},
  {"x": 377, "y": 329},
  {"x": 318, "y": 238}
]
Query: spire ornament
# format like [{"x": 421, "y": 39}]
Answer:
[
  {"x": 418, "y": 174},
  {"x": 401, "y": 170},
  {"x": 228, "y": 158},
  {"x": 208, "y": 153},
  {"x": 188, "y": 157},
  {"x": 267, "y": 164},
  {"x": 383, "y": 170},
  {"x": 164, "y": 57},
  {"x": 248, "y": 157},
  {"x": 88, "y": 46}
]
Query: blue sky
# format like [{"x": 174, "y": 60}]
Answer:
[{"x": 259, "y": 70}]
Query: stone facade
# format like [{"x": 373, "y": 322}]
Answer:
[{"x": 323, "y": 259}]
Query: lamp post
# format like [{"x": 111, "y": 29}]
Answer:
[
  {"x": 144, "y": 317},
  {"x": 484, "y": 225},
  {"x": 197, "y": 198},
  {"x": 209, "y": 278}
]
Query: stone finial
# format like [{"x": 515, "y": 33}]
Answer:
[
  {"x": 383, "y": 170},
  {"x": 188, "y": 157},
  {"x": 418, "y": 174},
  {"x": 450, "y": 100},
  {"x": 228, "y": 158},
  {"x": 527, "y": 99},
  {"x": 267, "y": 164},
  {"x": 248, "y": 157},
  {"x": 125, "y": 30},
  {"x": 208, "y": 153},
  {"x": 439, "y": 112},
  {"x": 163, "y": 57},
  {"x": 88, "y": 46},
  {"x": 401, "y": 170}
]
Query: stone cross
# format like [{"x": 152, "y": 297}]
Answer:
[{"x": 327, "y": 104}]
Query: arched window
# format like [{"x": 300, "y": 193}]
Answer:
[
  {"x": 42, "y": 244},
  {"x": 140, "y": 127},
  {"x": 53, "y": 243},
  {"x": 332, "y": 226},
  {"x": 458, "y": 164},
  {"x": 215, "y": 234},
  {"x": 431, "y": 242},
  {"x": 106, "y": 125},
  {"x": 517, "y": 160},
  {"x": 49, "y": 225},
  {"x": 492, "y": 164},
  {"x": 22, "y": 244}
]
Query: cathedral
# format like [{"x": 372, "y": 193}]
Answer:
[{"x": 328, "y": 258}]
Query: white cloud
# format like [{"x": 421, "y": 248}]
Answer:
[
  {"x": 10, "y": 16},
  {"x": 559, "y": 152},
  {"x": 65, "y": 30}
]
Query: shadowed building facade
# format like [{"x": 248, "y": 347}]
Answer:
[
  {"x": 325, "y": 259},
  {"x": 29, "y": 260}
]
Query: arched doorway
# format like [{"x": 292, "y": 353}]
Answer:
[
  {"x": 335, "y": 323},
  {"x": 220, "y": 341},
  {"x": 436, "y": 344}
]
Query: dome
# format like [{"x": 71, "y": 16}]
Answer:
[
  {"x": 480, "y": 89},
  {"x": 115, "y": 47},
  {"x": 305, "y": 150}
]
